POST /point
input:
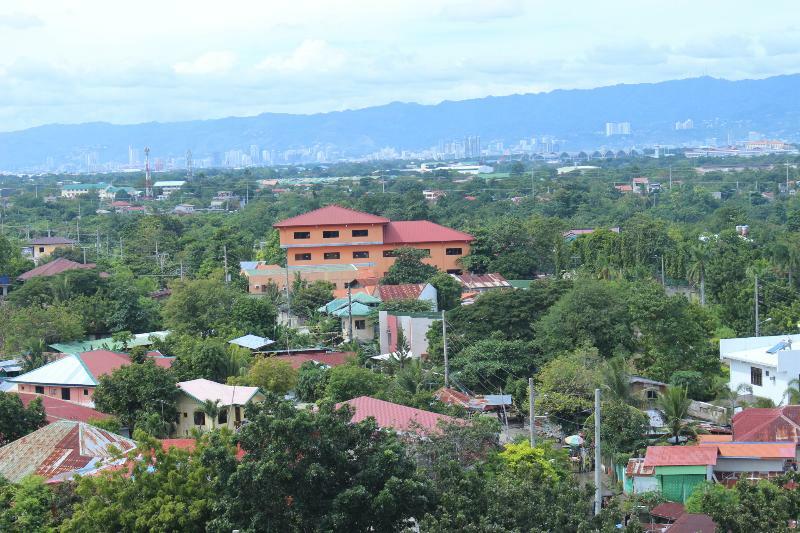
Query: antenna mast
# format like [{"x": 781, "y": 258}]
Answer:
[{"x": 148, "y": 180}]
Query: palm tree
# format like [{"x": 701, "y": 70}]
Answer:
[
  {"x": 673, "y": 406},
  {"x": 786, "y": 255},
  {"x": 616, "y": 380},
  {"x": 793, "y": 392},
  {"x": 211, "y": 410},
  {"x": 696, "y": 269},
  {"x": 732, "y": 396}
]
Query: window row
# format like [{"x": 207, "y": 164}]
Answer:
[
  {"x": 331, "y": 234},
  {"x": 331, "y": 256}
]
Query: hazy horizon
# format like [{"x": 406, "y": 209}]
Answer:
[{"x": 165, "y": 62}]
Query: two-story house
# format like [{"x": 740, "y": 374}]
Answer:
[
  {"x": 335, "y": 235},
  {"x": 766, "y": 364},
  {"x": 230, "y": 399}
]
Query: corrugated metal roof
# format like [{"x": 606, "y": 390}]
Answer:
[
  {"x": 108, "y": 343},
  {"x": 58, "y": 409},
  {"x": 253, "y": 342},
  {"x": 636, "y": 467},
  {"x": 482, "y": 281},
  {"x": 328, "y": 359},
  {"x": 761, "y": 450},
  {"x": 670, "y": 510},
  {"x": 693, "y": 523},
  {"x": 680, "y": 456},
  {"x": 404, "y": 291},
  {"x": 395, "y": 416},
  {"x": 69, "y": 370},
  {"x": 331, "y": 215},
  {"x": 338, "y": 303},
  {"x": 50, "y": 240},
  {"x": 358, "y": 309},
  {"x": 55, "y": 267},
  {"x": 703, "y": 439},
  {"x": 767, "y": 424},
  {"x": 205, "y": 389},
  {"x": 420, "y": 231},
  {"x": 57, "y": 448}
]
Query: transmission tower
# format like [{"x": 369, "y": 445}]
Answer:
[{"x": 148, "y": 180}]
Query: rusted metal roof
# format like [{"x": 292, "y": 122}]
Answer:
[
  {"x": 482, "y": 281},
  {"x": 636, "y": 467},
  {"x": 669, "y": 510},
  {"x": 768, "y": 424},
  {"x": 59, "y": 448}
]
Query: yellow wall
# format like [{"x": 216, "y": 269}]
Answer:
[{"x": 187, "y": 406}]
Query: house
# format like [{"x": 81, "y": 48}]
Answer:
[
  {"x": 409, "y": 291},
  {"x": 252, "y": 342},
  {"x": 479, "y": 403},
  {"x": 754, "y": 460},
  {"x": 396, "y": 417},
  {"x": 183, "y": 209},
  {"x": 169, "y": 187},
  {"x": 639, "y": 478},
  {"x": 73, "y": 190},
  {"x": 39, "y": 247},
  {"x": 108, "y": 343},
  {"x": 647, "y": 389},
  {"x": 337, "y": 235},
  {"x": 74, "y": 376},
  {"x": 328, "y": 360},
  {"x": 414, "y": 327},
  {"x": 571, "y": 235},
  {"x": 624, "y": 188},
  {"x": 775, "y": 424},
  {"x": 359, "y": 307},
  {"x": 679, "y": 469},
  {"x": 59, "y": 450},
  {"x": 56, "y": 267},
  {"x": 57, "y": 409},
  {"x": 260, "y": 275},
  {"x": 481, "y": 282},
  {"x": 232, "y": 399},
  {"x": 111, "y": 192},
  {"x": 766, "y": 364},
  {"x": 666, "y": 513},
  {"x": 10, "y": 368}
]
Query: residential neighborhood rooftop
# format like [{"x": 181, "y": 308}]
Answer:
[
  {"x": 44, "y": 241},
  {"x": 680, "y": 456},
  {"x": 419, "y": 231},
  {"x": 329, "y": 215},
  {"x": 253, "y": 342},
  {"x": 57, "y": 409},
  {"x": 205, "y": 389},
  {"x": 395, "y": 416},
  {"x": 55, "y": 267}
]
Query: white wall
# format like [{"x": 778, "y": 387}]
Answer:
[
  {"x": 748, "y": 465},
  {"x": 774, "y": 390}
]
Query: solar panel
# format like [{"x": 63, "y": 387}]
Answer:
[{"x": 778, "y": 347}]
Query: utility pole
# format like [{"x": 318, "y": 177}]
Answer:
[
  {"x": 756, "y": 305},
  {"x": 225, "y": 259},
  {"x": 349, "y": 314},
  {"x": 181, "y": 269},
  {"x": 670, "y": 177},
  {"x": 598, "y": 478},
  {"x": 787, "y": 178},
  {"x": 663, "y": 276},
  {"x": 78, "y": 223},
  {"x": 531, "y": 399},
  {"x": 446, "y": 362},
  {"x": 288, "y": 304}
]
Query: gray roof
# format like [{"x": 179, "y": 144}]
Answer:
[{"x": 253, "y": 342}]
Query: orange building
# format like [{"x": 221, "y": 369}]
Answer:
[{"x": 335, "y": 235}]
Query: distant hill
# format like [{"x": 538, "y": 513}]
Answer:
[{"x": 718, "y": 108}]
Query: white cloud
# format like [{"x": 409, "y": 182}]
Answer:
[
  {"x": 19, "y": 21},
  {"x": 481, "y": 10},
  {"x": 208, "y": 63},
  {"x": 312, "y": 55}
]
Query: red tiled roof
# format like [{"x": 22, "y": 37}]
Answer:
[
  {"x": 680, "y": 456},
  {"x": 330, "y": 359},
  {"x": 405, "y": 291},
  {"x": 767, "y": 424},
  {"x": 670, "y": 510},
  {"x": 624, "y": 188},
  {"x": 102, "y": 362},
  {"x": 693, "y": 523},
  {"x": 417, "y": 231},
  {"x": 329, "y": 215},
  {"x": 55, "y": 267},
  {"x": 761, "y": 450},
  {"x": 58, "y": 409},
  {"x": 395, "y": 416}
]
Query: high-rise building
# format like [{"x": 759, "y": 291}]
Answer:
[
  {"x": 687, "y": 124},
  {"x": 618, "y": 128},
  {"x": 254, "y": 154},
  {"x": 133, "y": 156}
]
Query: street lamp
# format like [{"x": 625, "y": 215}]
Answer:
[{"x": 758, "y": 325}]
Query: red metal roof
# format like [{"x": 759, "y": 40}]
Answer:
[
  {"x": 670, "y": 510},
  {"x": 418, "y": 231},
  {"x": 331, "y": 215},
  {"x": 693, "y": 523},
  {"x": 55, "y": 267},
  {"x": 330, "y": 359},
  {"x": 704, "y": 439},
  {"x": 102, "y": 362},
  {"x": 58, "y": 409},
  {"x": 404, "y": 291},
  {"x": 768, "y": 424},
  {"x": 451, "y": 397},
  {"x": 395, "y": 416},
  {"x": 680, "y": 456}
]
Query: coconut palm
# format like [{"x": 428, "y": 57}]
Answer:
[
  {"x": 696, "y": 269},
  {"x": 673, "y": 406},
  {"x": 731, "y": 396},
  {"x": 616, "y": 381},
  {"x": 211, "y": 410},
  {"x": 792, "y": 393}
]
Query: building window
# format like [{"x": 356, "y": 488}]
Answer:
[
  {"x": 360, "y": 255},
  {"x": 652, "y": 394},
  {"x": 455, "y": 271},
  {"x": 330, "y": 234},
  {"x": 302, "y": 234},
  {"x": 453, "y": 251},
  {"x": 360, "y": 232},
  {"x": 302, "y": 257},
  {"x": 361, "y": 324},
  {"x": 86, "y": 392},
  {"x": 223, "y": 416},
  {"x": 185, "y": 415},
  {"x": 39, "y": 389},
  {"x": 41, "y": 249},
  {"x": 755, "y": 376},
  {"x": 388, "y": 253},
  {"x": 65, "y": 393},
  {"x": 332, "y": 255},
  {"x": 199, "y": 418}
]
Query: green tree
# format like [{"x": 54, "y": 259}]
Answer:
[
  {"x": 273, "y": 375},
  {"x": 211, "y": 409},
  {"x": 29, "y": 326},
  {"x": 673, "y": 406},
  {"x": 312, "y": 379},
  {"x": 349, "y": 381},
  {"x": 448, "y": 291},
  {"x": 133, "y": 390},
  {"x": 696, "y": 270},
  {"x": 16, "y": 420},
  {"x": 308, "y": 297},
  {"x": 29, "y": 508},
  {"x": 489, "y": 364},
  {"x": 315, "y": 471},
  {"x": 409, "y": 268},
  {"x": 199, "y": 307}
]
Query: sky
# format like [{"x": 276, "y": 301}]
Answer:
[{"x": 130, "y": 62}]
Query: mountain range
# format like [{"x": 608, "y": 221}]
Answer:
[{"x": 719, "y": 109}]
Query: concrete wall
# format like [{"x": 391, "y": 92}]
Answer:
[
  {"x": 364, "y": 335},
  {"x": 770, "y": 388},
  {"x": 81, "y": 395},
  {"x": 748, "y": 465},
  {"x": 187, "y": 406}
]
